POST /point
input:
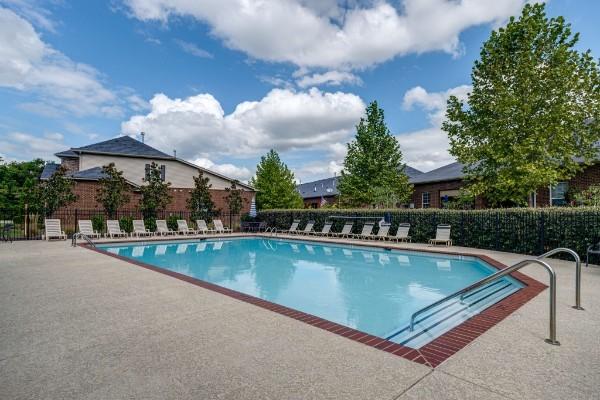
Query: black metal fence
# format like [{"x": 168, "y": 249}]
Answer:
[
  {"x": 522, "y": 230},
  {"x": 30, "y": 226}
]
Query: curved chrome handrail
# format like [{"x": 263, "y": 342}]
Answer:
[
  {"x": 82, "y": 236},
  {"x": 577, "y": 305},
  {"x": 500, "y": 274}
]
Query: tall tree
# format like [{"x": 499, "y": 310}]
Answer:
[
  {"x": 56, "y": 192},
  {"x": 534, "y": 108},
  {"x": 234, "y": 198},
  {"x": 113, "y": 190},
  {"x": 155, "y": 193},
  {"x": 18, "y": 182},
  {"x": 275, "y": 184},
  {"x": 200, "y": 202},
  {"x": 373, "y": 168}
]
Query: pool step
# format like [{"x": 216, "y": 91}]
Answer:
[{"x": 441, "y": 319}]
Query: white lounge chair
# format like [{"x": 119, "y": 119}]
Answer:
[
  {"x": 182, "y": 228},
  {"x": 219, "y": 228},
  {"x": 87, "y": 228},
  {"x": 366, "y": 231},
  {"x": 113, "y": 229},
  {"x": 402, "y": 233},
  {"x": 442, "y": 236},
  {"x": 293, "y": 228},
  {"x": 308, "y": 228},
  {"x": 53, "y": 230},
  {"x": 382, "y": 233},
  {"x": 345, "y": 232},
  {"x": 202, "y": 227},
  {"x": 139, "y": 229},
  {"x": 325, "y": 231},
  {"x": 163, "y": 229}
]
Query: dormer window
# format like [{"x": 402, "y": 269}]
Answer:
[{"x": 163, "y": 172}]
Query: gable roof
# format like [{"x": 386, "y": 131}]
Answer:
[
  {"x": 446, "y": 173},
  {"x": 328, "y": 186},
  {"x": 122, "y": 145}
]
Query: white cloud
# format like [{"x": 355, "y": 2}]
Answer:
[
  {"x": 331, "y": 78},
  {"x": 24, "y": 146},
  {"x": 284, "y": 120},
  {"x": 317, "y": 170},
  {"x": 193, "y": 49},
  {"x": 325, "y": 34},
  {"x": 242, "y": 174},
  {"x": 61, "y": 84},
  {"x": 427, "y": 149}
]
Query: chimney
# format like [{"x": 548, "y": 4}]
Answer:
[{"x": 142, "y": 134}]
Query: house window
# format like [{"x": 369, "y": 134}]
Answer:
[
  {"x": 425, "y": 200},
  {"x": 163, "y": 172},
  {"x": 558, "y": 194}
]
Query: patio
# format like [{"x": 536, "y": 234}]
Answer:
[{"x": 78, "y": 324}]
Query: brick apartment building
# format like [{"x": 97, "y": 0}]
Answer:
[
  {"x": 434, "y": 188},
  {"x": 84, "y": 166}
]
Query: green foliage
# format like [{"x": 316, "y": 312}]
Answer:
[
  {"x": 519, "y": 230},
  {"x": 172, "y": 222},
  {"x": 126, "y": 224},
  {"x": 200, "y": 202},
  {"x": 275, "y": 184},
  {"x": 56, "y": 192},
  {"x": 155, "y": 193},
  {"x": 534, "y": 107},
  {"x": 113, "y": 190},
  {"x": 150, "y": 223},
  {"x": 18, "y": 181},
  {"x": 373, "y": 169},
  {"x": 98, "y": 222},
  {"x": 589, "y": 196},
  {"x": 234, "y": 198}
]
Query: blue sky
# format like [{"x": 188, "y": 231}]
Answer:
[{"x": 222, "y": 83}]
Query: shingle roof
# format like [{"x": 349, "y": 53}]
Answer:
[
  {"x": 446, "y": 173},
  {"x": 49, "y": 169},
  {"x": 122, "y": 145},
  {"x": 328, "y": 187},
  {"x": 91, "y": 174}
]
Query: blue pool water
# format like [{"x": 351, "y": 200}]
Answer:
[{"x": 372, "y": 290}]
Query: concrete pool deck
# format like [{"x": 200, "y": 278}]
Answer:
[{"x": 78, "y": 324}]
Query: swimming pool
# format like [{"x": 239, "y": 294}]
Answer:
[{"x": 369, "y": 289}]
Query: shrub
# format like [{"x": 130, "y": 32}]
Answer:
[
  {"x": 126, "y": 224},
  {"x": 172, "y": 221},
  {"x": 518, "y": 230},
  {"x": 150, "y": 223},
  {"x": 98, "y": 222}
]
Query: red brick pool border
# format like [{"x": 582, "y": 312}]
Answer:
[{"x": 431, "y": 354}]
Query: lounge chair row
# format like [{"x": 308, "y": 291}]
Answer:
[
  {"x": 402, "y": 234},
  {"x": 54, "y": 231}
]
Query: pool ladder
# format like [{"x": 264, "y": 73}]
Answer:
[
  {"x": 81, "y": 236},
  {"x": 500, "y": 274}
]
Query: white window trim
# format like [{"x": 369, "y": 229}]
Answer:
[
  {"x": 423, "y": 199},
  {"x": 550, "y": 192}
]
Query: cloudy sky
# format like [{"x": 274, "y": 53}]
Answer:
[{"x": 222, "y": 81}]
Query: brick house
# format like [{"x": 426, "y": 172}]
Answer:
[
  {"x": 324, "y": 191},
  {"x": 434, "y": 188},
  {"x": 84, "y": 166}
]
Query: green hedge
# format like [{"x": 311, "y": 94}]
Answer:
[{"x": 517, "y": 230}]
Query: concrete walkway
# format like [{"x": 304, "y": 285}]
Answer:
[{"x": 76, "y": 324}]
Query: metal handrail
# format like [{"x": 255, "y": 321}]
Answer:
[
  {"x": 82, "y": 236},
  {"x": 577, "y": 305},
  {"x": 500, "y": 274}
]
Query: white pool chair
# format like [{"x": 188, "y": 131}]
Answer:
[
  {"x": 366, "y": 231},
  {"x": 219, "y": 228},
  {"x": 53, "y": 230},
  {"x": 292, "y": 229},
  {"x": 345, "y": 232},
  {"x": 87, "y": 228},
  {"x": 402, "y": 233},
  {"x": 382, "y": 233},
  {"x": 163, "y": 229},
  {"x": 324, "y": 231},
  {"x": 113, "y": 229},
  {"x": 308, "y": 228},
  {"x": 182, "y": 228},
  {"x": 139, "y": 229},
  {"x": 202, "y": 227},
  {"x": 442, "y": 236}
]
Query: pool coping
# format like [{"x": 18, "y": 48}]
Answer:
[{"x": 431, "y": 354}]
